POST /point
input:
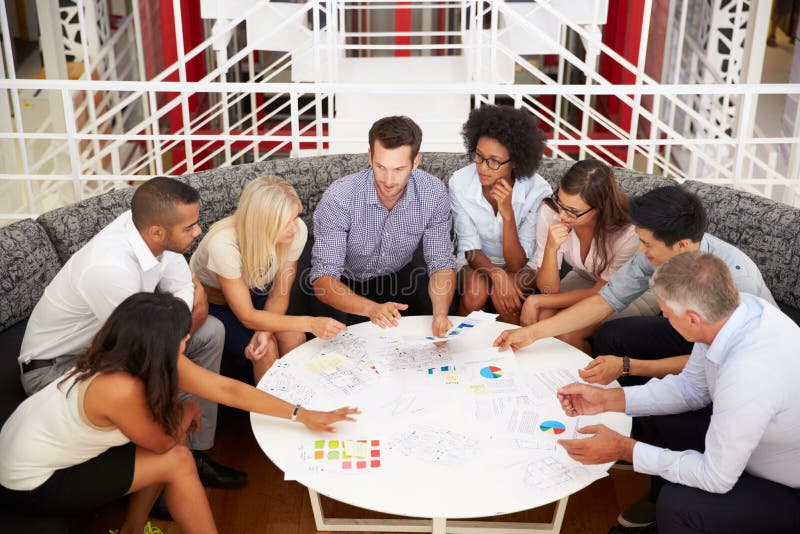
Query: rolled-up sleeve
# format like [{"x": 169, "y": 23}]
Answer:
[
  {"x": 467, "y": 237},
  {"x": 436, "y": 244},
  {"x": 628, "y": 283},
  {"x": 528, "y": 227},
  {"x": 331, "y": 225}
]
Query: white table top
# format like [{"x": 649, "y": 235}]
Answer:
[{"x": 411, "y": 487}]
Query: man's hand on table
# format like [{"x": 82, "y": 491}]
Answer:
[
  {"x": 386, "y": 314},
  {"x": 440, "y": 325},
  {"x": 604, "y": 446}
]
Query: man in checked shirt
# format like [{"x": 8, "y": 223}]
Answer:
[{"x": 367, "y": 227}]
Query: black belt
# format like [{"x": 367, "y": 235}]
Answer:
[{"x": 36, "y": 364}]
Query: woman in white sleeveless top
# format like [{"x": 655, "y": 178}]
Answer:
[{"x": 115, "y": 426}]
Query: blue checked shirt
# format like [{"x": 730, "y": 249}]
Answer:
[{"x": 355, "y": 236}]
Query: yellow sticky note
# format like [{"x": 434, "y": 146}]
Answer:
[
  {"x": 450, "y": 377},
  {"x": 477, "y": 389},
  {"x": 356, "y": 449},
  {"x": 328, "y": 363}
]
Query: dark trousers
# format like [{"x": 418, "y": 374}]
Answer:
[
  {"x": 409, "y": 286},
  {"x": 237, "y": 337},
  {"x": 643, "y": 338},
  {"x": 753, "y": 505}
]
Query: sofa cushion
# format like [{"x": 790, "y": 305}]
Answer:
[
  {"x": 28, "y": 262},
  {"x": 71, "y": 227},
  {"x": 763, "y": 229}
]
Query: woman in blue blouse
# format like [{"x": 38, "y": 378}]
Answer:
[{"x": 494, "y": 201}]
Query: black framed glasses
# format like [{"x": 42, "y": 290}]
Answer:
[
  {"x": 556, "y": 205},
  {"x": 492, "y": 163}
]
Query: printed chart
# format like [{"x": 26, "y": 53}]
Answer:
[
  {"x": 491, "y": 372},
  {"x": 552, "y": 427}
]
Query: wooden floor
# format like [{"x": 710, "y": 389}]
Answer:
[{"x": 270, "y": 505}]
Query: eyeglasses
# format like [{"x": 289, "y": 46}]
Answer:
[
  {"x": 492, "y": 163},
  {"x": 556, "y": 205}
]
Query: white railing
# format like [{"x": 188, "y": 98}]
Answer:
[{"x": 89, "y": 157}]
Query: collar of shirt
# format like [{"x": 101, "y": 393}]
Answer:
[
  {"x": 744, "y": 313},
  {"x": 143, "y": 253},
  {"x": 371, "y": 194}
]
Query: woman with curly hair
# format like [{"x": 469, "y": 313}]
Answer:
[
  {"x": 494, "y": 201},
  {"x": 584, "y": 223},
  {"x": 115, "y": 425}
]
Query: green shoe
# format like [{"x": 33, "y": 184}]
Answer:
[{"x": 641, "y": 514}]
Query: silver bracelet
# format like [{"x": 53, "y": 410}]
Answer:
[{"x": 295, "y": 412}]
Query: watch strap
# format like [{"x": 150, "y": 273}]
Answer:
[
  {"x": 626, "y": 366},
  {"x": 296, "y": 411}
]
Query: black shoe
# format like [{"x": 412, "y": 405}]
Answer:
[
  {"x": 215, "y": 475},
  {"x": 160, "y": 509}
]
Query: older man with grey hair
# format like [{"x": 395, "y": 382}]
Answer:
[{"x": 721, "y": 437}]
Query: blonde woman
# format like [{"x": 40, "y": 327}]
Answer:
[{"x": 247, "y": 263}]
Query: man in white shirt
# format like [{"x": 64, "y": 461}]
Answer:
[
  {"x": 141, "y": 250},
  {"x": 739, "y": 472}
]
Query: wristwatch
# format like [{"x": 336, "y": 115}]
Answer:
[
  {"x": 626, "y": 366},
  {"x": 295, "y": 412}
]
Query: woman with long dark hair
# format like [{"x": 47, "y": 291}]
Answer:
[
  {"x": 584, "y": 223},
  {"x": 115, "y": 425}
]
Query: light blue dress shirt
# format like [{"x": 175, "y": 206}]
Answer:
[
  {"x": 633, "y": 279},
  {"x": 749, "y": 373},
  {"x": 477, "y": 226}
]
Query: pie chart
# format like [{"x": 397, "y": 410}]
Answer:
[
  {"x": 552, "y": 427},
  {"x": 491, "y": 372}
]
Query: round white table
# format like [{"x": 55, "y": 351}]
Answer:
[{"x": 439, "y": 491}]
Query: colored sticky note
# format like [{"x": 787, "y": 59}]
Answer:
[
  {"x": 358, "y": 449},
  {"x": 333, "y": 444},
  {"x": 375, "y": 453},
  {"x": 477, "y": 389},
  {"x": 376, "y": 443},
  {"x": 375, "y": 463},
  {"x": 361, "y": 465},
  {"x": 347, "y": 465},
  {"x": 319, "y": 455},
  {"x": 319, "y": 444},
  {"x": 333, "y": 455},
  {"x": 450, "y": 377}
]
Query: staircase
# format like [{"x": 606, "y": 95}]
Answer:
[{"x": 317, "y": 55}]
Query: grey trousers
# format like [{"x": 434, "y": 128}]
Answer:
[{"x": 204, "y": 349}]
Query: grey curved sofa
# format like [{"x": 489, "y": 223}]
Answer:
[{"x": 32, "y": 252}]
